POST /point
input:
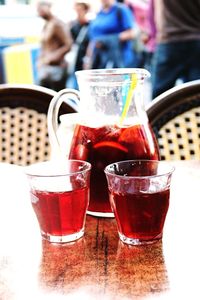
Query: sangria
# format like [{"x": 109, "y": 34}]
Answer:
[
  {"x": 104, "y": 145},
  {"x": 140, "y": 216},
  {"x": 139, "y": 193},
  {"x": 59, "y": 193},
  {"x": 60, "y": 213},
  {"x": 111, "y": 125}
]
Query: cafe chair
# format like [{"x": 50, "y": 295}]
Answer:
[
  {"x": 23, "y": 123},
  {"x": 175, "y": 118}
]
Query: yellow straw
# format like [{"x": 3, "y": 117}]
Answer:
[{"x": 129, "y": 97}]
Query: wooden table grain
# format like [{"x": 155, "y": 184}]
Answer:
[{"x": 99, "y": 266}]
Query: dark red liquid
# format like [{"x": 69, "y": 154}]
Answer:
[
  {"x": 104, "y": 145},
  {"x": 140, "y": 216},
  {"x": 60, "y": 213}
]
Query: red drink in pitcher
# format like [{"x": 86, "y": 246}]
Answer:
[
  {"x": 60, "y": 213},
  {"x": 104, "y": 145},
  {"x": 140, "y": 215}
]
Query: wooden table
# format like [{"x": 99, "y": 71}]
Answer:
[{"x": 99, "y": 266}]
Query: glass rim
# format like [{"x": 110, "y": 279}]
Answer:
[
  {"x": 164, "y": 173},
  {"x": 35, "y": 166},
  {"x": 95, "y": 73}
]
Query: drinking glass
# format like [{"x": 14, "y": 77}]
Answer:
[
  {"x": 59, "y": 193},
  {"x": 139, "y": 192}
]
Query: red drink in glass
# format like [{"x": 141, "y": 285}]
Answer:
[
  {"x": 104, "y": 145},
  {"x": 140, "y": 215},
  {"x": 139, "y": 193},
  {"x": 60, "y": 213}
]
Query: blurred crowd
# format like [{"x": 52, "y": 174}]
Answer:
[{"x": 161, "y": 36}]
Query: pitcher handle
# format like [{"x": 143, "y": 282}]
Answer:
[{"x": 52, "y": 115}]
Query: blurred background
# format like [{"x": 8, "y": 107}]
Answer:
[
  {"x": 20, "y": 30},
  {"x": 20, "y": 34}
]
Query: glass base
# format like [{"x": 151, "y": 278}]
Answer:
[
  {"x": 137, "y": 242},
  {"x": 100, "y": 214},
  {"x": 62, "y": 238}
]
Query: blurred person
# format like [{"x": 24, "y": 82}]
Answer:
[
  {"x": 111, "y": 34},
  {"x": 151, "y": 44},
  {"x": 79, "y": 33},
  {"x": 178, "y": 43},
  {"x": 55, "y": 43},
  {"x": 144, "y": 42}
]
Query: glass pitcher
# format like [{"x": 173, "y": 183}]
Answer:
[{"x": 111, "y": 125}]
